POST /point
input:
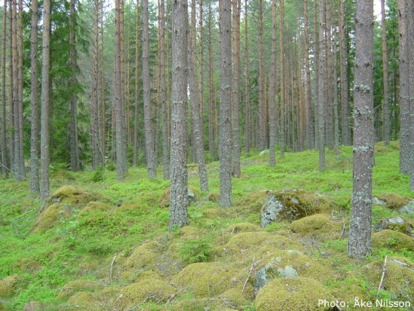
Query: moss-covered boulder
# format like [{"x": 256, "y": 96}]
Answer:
[
  {"x": 243, "y": 227},
  {"x": 206, "y": 279},
  {"x": 399, "y": 277},
  {"x": 392, "y": 200},
  {"x": 73, "y": 287},
  {"x": 86, "y": 301},
  {"x": 397, "y": 223},
  {"x": 292, "y": 205},
  {"x": 393, "y": 240},
  {"x": 165, "y": 197},
  {"x": 298, "y": 293},
  {"x": 28, "y": 265},
  {"x": 317, "y": 225},
  {"x": 144, "y": 255},
  {"x": 147, "y": 290},
  {"x": 8, "y": 285},
  {"x": 33, "y": 306}
]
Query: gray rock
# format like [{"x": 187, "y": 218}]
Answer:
[
  {"x": 400, "y": 263},
  {"x": 191, "y": 196},
  {"x": 377, "y": 201},
  {"x": 261, "y": 279},
  {"x": 271, "y": 210},
  {"x": 264, "y": 152},
  {"x": 397, "y": 221},
  {"x": 289, "y": 272},
  {"x": 408, "y": 208}
]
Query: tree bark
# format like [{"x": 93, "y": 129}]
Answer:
[
  {"x": 179, "y": 174},
  {"x": 359, "y": 242},
  {"x": 247, "y": 132},
  {"x": 282, "y": 80},
  {"x": 150, "y": 155},
  {"x": 316, "y": 70},
  {"x": 34, "y": 136},
  {"x": 4, "y": 160},
  {"x": 262, "y": 122},
  {"x": 308, "y": 92},
  {"x": 410, "y": 48},
  {"x": 210, "y": 82},
  {"x": 272, "y": 93},
  {"x": 321, "y": 88},
  {"x": 135, "y": 152},
  {"x": 386, "y": 110},
  {"x": 94, "y": 132},
  {"x": 225, "y": 105},
  {"x": 44, "y": 119}
]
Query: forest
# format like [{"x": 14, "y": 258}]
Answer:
[{"x": 143, "y": 146}]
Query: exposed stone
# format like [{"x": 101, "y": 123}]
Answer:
[
  {"x": 288, "y": 272},
  {"x": 263, "y": 152},
  {"x": 408, "y": 208},
  {"x": 164, "y": 199},
  {"x": 377, "y": 201},
  {"x": 396, "y": 223}
]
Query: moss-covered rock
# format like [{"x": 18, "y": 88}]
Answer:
[
  {"x": 28, "y": 265},
  {"x": 92, "y": 207},
  {"x": 317, "y": 225},
  {"x": 243, "y": 227},
  {"x": 148, "y": 290},
  {"x": 401, "y": 224},
  {"x": 206, "y": 279},
  {"x": 86, "y": 301},
  {"x": 8, "y": 285},
  {"x": 165, "y": 197},
  {"x": 393, "y": 240},
  {"x": 392, "y": 200},
  {"x": 144, "y": 255},
  {"x": 33, "y": 306},
  {"x": 78, "y": 286},
  {"x": 297, "y": 293},
  {"x": 72, "y": 195}
]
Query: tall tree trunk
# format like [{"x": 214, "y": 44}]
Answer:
[
  {"x": 103, "y": 101},
  {"x": 201, "y": 30},
  {"x": 236, "y": 95},
  {"x": 11, "y": 89},
  {"x": 44, "y": 119},
  {"x": 345, "y": 128},
  {"x": 225, "y": 105},
  {"x": 335, "y": 90},
  {"x": 21, "y": 168},
  {"x": 316, "y": 70},
  {"x": 210, "y": 82},
  {"x": 272, "y": 92},
  {"x": 165, "y": 141},
  {"x": 135, "y": 153},
  {"x": 282, "y": 80},
  {"x": 247, "y": 132},
  {"x": 73, "y": 139},
  {"x": 410, "y": 48},
  {"x": 262, "y": 122},
  {"x": 321, "y": 87},
  {"x": 308, "y": 92},
  {"x": 179, "y": 175},
  {"x": 4, "y": 161},
  {"x": 124, "y": 92},
  {"x": 359, "y": 242},
  {"x": 149, "y": 134},
  {"x": 386, "y": 110},
  {"x": 94, "y": 132},
  {"x": 404, "y": 88},
  {"x": 34, "y": 136},
  {"x": 329, "y": 137}
]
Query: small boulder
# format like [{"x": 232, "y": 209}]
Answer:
[
  {"x": 393, "y": 240},
  {"x": 164, "y": 199},
  {"x": 408, "y": 208},
  {"x": 8, "y": 285},
  {"x": 396, "y": 223}
]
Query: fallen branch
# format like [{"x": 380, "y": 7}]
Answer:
[
  {"x": 343, "y": 231},
  {"x": 112, "y": 265},
  {"x": 248, "y": 276},
  {"x": 384, "y": 269}
]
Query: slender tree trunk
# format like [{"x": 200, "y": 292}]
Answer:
[
  {"x": 103, "y": 101},
  {"x": 345, "y": 128},
  {"x": 247, "y": 133},
  {"x": 308, "y": 92},
  {"x": 21, "y": 167},
  {"x": 135, "y": 154},
  {"x": 34, "y": 137},
  {"x": 321, "y": 86},
  {"x": 11, "y": 89},
  {"x": 329, "y": 136},
  {"x": 124, "y": 93},
  {"x": 385, "y": 104},
  {"x": 94, "y": 132},
  {"x": 210, "y": 79},
  {"x": 335, "y": 90},
  {"x": 272, "y": 92},
  {"x": 225, "y": 104},
  {"x": 44, "y": 119},
  {"x": 149, "y": 135},
  {"x": 236, "y": 95},
  {"x": 282, "y": 80},
  {"x": 4, "y": 161},
  {"x": 15, "y": 91},
  {"x": 410, "y": 47},
  {"x": 201, "y": 29},
  {"x": 179, "y": 175},
  {"x": 165, "y": 141},
  {"x": 359, "y": 242},
  {"x": 73, "y": 139},
  {"x": 262, "y": 122},
  {"x": 316, "y": 74}
]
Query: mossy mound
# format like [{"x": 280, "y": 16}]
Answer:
[
  {"x": 28, "y": 265},
  {"x": 8, "y": 285},
  {"x": 297, "y": 293},
  {"x": 144, "y": 255},
  {"x": 252, "y": 202},
  {"x": 206, "y": 279},
  {"x": 235, "y": 298},
  {"x": 85, "y": 301},
  {"x": 317, "y": 225},
  {"x": 243, "y": 227},
  {"x": 92, "y": 207},
  {"x": 401, "y": 224},
  {"x": 63, "y": 203},
  {"x": 33, "y": 306},
  {"x": 165, "y": 197},
  {"x": 392, "y": 200},
  {"x": 399, "y": 278},
  {"x": 393, "y": 240},
  {"x": 148, "y": 290},
  {"x": 73, "y": 287}
]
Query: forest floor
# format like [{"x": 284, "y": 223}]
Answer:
[{"x": 103, "y": 244}]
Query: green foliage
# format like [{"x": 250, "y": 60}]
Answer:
[
  {"x": 99, "y": 174},
  {"x": 196, "y": 250}
]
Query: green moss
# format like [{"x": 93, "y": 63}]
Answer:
[
  {"x": 92, "y": 207},
  {"x": 164, "y": 199},
  {"x": 148, "y": 290},
  {"x": 393, "y": 240},
  {"x": 28, "y": 265},
  {"x": 34, "y": 306},
  {"x": 317, "y": 225},
  {"x": 297, "y": 293},
  {"x": 145, "y": 255},
  {"x": 85, "y": 301},
  {"x": 205, "y": 279},
  {"x": 393, "y": 200},
  {"x": 8, "y": 285},
  {"x": 77, "y": 286},
  {"x": 243, "y": 227}
]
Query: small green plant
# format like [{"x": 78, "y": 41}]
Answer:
[
  {"x": 99, "y": 174},
  {"x": 197, "y": 250},
  {"x": 69, "y": 225}
]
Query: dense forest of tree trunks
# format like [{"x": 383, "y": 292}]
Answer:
[{"x": 293, "y": 91}]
